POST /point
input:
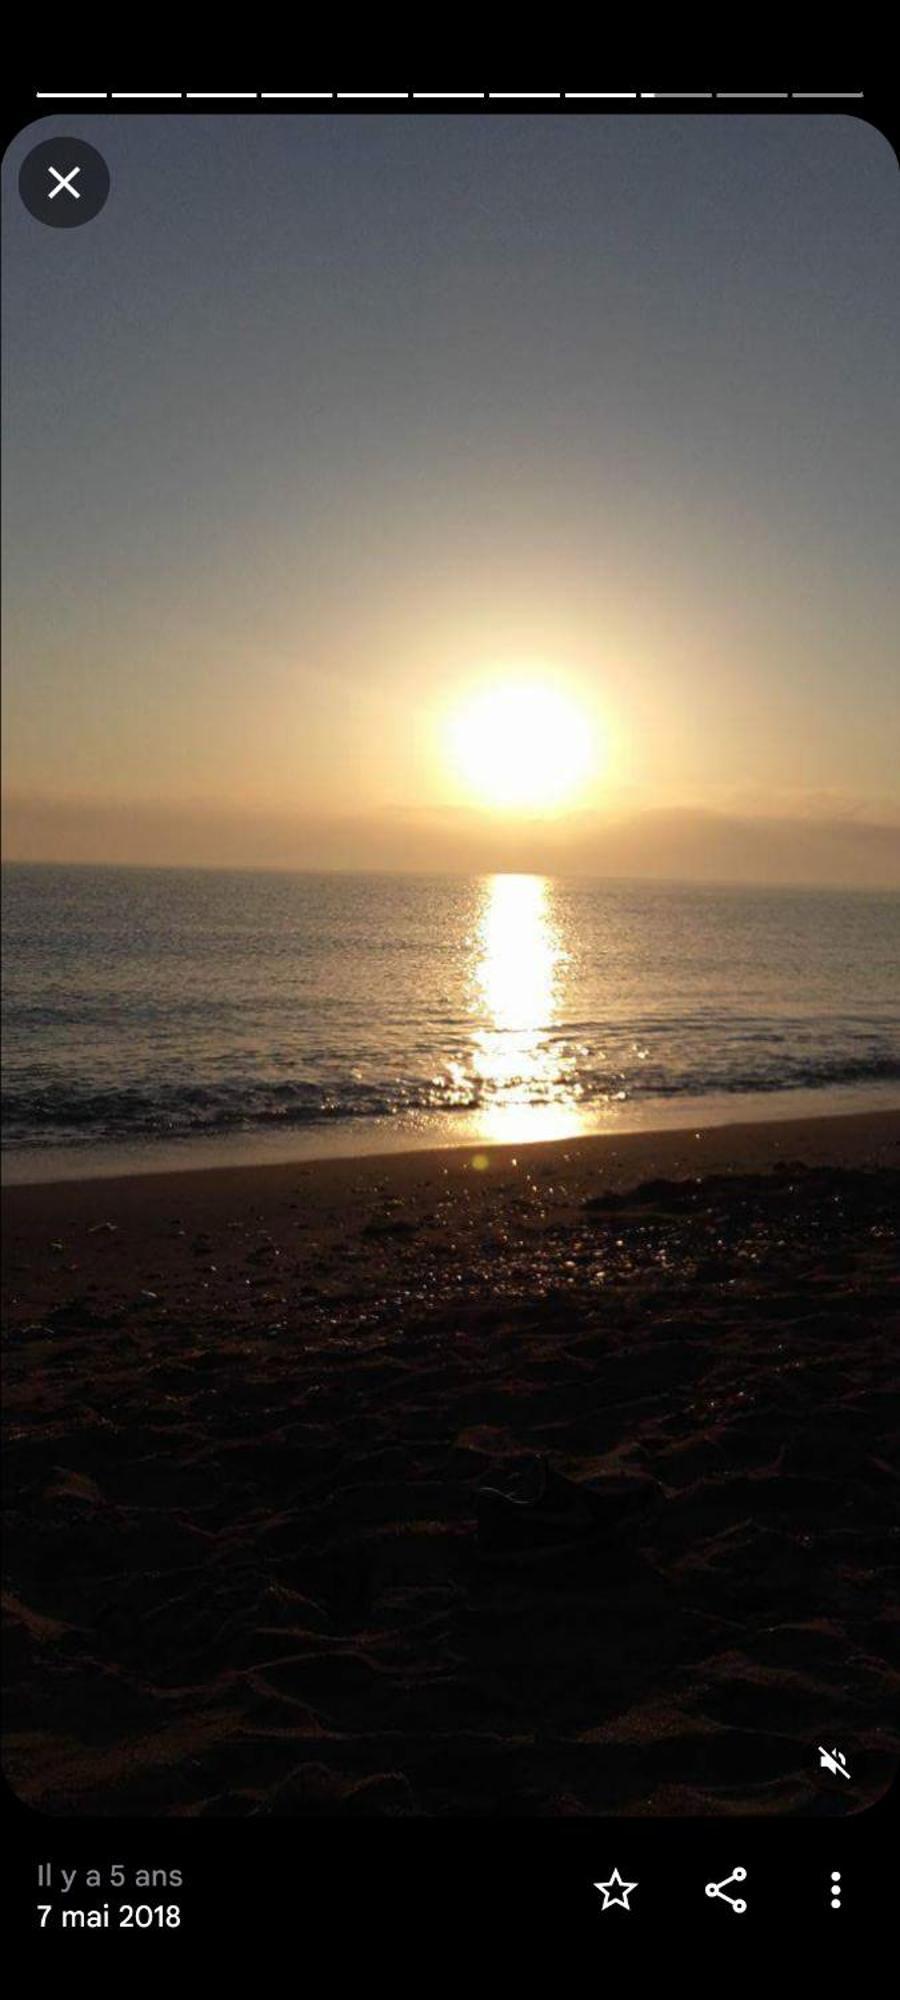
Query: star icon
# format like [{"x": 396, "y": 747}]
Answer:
[{"x": 623, "y": 1891}]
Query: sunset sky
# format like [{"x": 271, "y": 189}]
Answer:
[{"x": 328, "y": 431}]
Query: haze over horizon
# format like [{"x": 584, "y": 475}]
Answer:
[
  {"x": 339, "y": 450},
  {"x": 656, "y": 846}
]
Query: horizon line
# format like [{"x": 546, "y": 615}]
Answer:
[{"x": 461, "y": 874}]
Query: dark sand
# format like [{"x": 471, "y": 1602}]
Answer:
[{"x": 248, "y": 1412}]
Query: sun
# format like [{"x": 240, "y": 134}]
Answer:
[{"x": 521, "y": 745}]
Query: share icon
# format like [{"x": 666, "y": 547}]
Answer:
[{"x": 738, "y": 1903}]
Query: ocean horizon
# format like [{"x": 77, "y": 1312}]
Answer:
[{"x": 154, "y": 1014}]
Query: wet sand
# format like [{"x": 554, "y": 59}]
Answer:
[{"x": 249, "y": 1412}]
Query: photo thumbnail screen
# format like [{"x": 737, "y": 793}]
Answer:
[{"x": 451, "y": 933}]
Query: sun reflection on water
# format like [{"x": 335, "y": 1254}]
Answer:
[{"x": 519, "y": 980}]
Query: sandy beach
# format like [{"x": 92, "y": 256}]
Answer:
[{"x": 250, "y": 1412}]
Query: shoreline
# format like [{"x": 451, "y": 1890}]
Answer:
[
  {"x": 247, "y": 1153},
  {"x": 621, "y": 1158}
]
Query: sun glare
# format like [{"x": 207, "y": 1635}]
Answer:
[{"x": 522, "y": 745}]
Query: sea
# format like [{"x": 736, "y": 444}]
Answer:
[{"x": 156, "y": 1017}]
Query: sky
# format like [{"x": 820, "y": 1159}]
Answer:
[{"x": 328, "y": 427}]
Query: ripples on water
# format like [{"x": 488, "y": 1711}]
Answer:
[{"x": 143, "y": 1003}]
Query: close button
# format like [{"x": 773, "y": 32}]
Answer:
[{"x": 64, "y": 182}]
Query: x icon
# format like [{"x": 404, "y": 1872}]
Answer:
[{"x": 64, "y": 181}]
